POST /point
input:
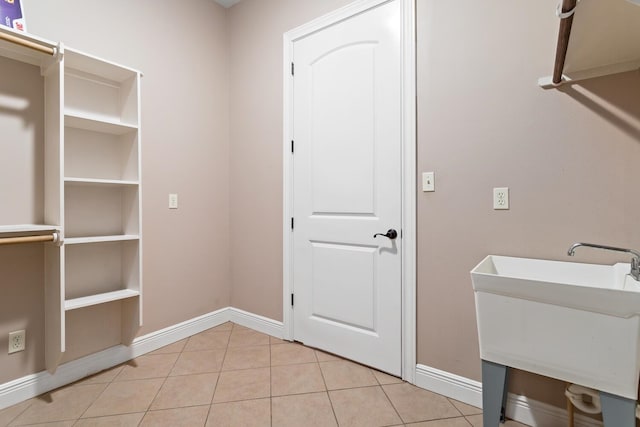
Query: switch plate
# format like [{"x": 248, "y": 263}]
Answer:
[
  {"x": 501, "y": 198},
  {"x": 173, "y": 201},
  {"x": 428, "y": 181}
]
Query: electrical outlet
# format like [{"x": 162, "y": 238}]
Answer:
[
  {"x": 16, "y": 341},
  {"x": 173, "y": 201},
  {"x": 501, "y": 198}
]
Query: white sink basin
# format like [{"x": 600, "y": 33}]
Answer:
[{"x": 575, "y": 322}]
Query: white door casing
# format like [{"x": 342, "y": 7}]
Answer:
[{"x": 352, "y": 176}]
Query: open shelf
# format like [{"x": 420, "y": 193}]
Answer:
[
  {"x": 101, "y": 182},
  {"x": 99, "y": 89},
  {"x": 99, "y": 155},
  {"x": 88, "y": 301},
  {"x": 87, "y": 63},
  {"x": 99, "y": 268},
  {"x": 95, "y": 123},
  {"x": 100, "y": 239},
  {"x": 101, "y": 210},
  {"x": 597, "y": 40}
]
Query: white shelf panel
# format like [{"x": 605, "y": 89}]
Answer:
[
  {"x": 87, "y": 63},
  {"x": 104, "y": 182},
  {"x": 73, "y": 304},
  {"x": 24, "y": 54},
  {"x": 26, "y": 228},
  {"x": 96, "y": 123},
  {"x": 100, "y": 239}
]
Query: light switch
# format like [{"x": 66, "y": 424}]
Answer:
[
  {"x": 173, "y": 201},
  {"x": 428, "y": 181}
]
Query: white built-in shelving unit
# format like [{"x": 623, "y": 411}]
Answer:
[{"x": 92, "y": 187}]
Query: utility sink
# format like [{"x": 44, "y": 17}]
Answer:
[{"x": 572, "y": 321}]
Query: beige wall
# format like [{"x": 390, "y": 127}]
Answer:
[
  {"x": 21, "y": 177},
  {"x": 255, "y": 65},
  {"x": 182, "y": 51},
  {"x": 567, "y": 156}
]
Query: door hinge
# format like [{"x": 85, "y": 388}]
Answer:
[
  {"x": 292, "y": 223},
  {"x": 292, "y": 69},
  {"x": 291, "y": 300},
  {"x": 292, "y": 146}
]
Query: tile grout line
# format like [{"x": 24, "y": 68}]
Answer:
[
  {"x": 459, "y": 411},
  {"x": 326, "y": 389},
  {"x": 20, "y": 413},
  {"x": 270, "y": 385},
  {"x": 391, "y": 401},
  {"x": 92, "y": 418},
  {"x": 169, "y": 374},
  {"x": 163, "y": 382},
  {"x": 101, "y": 393},
  {"x": 333, "y": 410},
  {"x": 219, "y": 375}
]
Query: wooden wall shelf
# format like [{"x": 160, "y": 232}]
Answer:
[{"x": 599, "y": 39}]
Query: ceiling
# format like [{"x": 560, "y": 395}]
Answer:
[{"x": 227, "y": 3}]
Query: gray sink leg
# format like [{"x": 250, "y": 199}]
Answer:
[
  {"x": 494, "y": 393},
  {"x": 617, "y": 411}
]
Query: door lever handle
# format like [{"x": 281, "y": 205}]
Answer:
[{"x": 391, "y": 234}]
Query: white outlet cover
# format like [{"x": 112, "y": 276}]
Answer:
[
  {"x": 501, "y": 198},
  {"x": 17, "y": 341}
]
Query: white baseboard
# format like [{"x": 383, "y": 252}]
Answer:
[
  {"x": 33, "y": 385},
  {"x": 450, "y": 385},
  {"x": 256, "y": 322},
  {"x": 519, "y": 408}
]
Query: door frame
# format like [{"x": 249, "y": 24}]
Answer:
[{"x": 408, "y": 287}]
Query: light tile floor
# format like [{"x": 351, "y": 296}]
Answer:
[{"x": 234, "y": 376}]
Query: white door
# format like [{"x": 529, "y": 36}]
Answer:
[{"x": 347, "y": 187}]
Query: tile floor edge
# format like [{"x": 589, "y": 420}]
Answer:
[{"x": 469, "y": 391}]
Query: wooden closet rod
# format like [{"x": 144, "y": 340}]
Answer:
[
  {"x": 566, "y": 22},
  {"x": 27, "y": 43},
  {"x": 28, "y": 239}
]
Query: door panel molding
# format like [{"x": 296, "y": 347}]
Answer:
[{"x": 408, "y": 169}]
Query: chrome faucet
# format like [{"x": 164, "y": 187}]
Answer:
[{"x": 635, "y": 261}]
